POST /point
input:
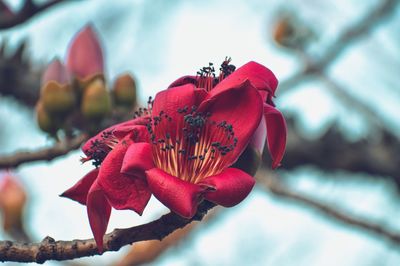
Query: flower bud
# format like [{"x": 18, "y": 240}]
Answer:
[
  {"x": 57, "y": 99},
  {"x": 12, "y": 203},
  {"x": 46, "y": 122},
  {"x": 96, "y": 102},
  {"x": 57, "y": 72},
  {"x": 85, "y": 56},
  {"x": 125, "y": 91},
  {"x": 292, "y": 33}
]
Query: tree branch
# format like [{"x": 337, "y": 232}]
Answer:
[
  {"x": 272, "y": 184},
  {"x": 351, "y": 34},
  {"x": 332, "y": 151},
  {"x": 28, "y": 10},
  {"x": 48, "y": 154},
  {"x": 49, "y": 249}
]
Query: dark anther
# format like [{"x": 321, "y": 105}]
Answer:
[{"x": 215, "y": 144}]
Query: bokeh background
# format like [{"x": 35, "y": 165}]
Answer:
[{"x": 334, "y": 201}]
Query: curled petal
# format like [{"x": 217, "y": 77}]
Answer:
[
  {"x": 119, "y": 131},
  {"x": 276, "y": 134},
  {"x": 178, "y": 195},
  {"x": 124, "y": 192},
  {"x": 183, "y": 81},
  {"x": 99, "y": 212},
  {"x": 85, "y": 56},
  {"x": 80, "y": 190},
  {"x": 260, "y": 77},
  {"x": 137, "y": 158},
  {"x": 257, "y": 141},
  {"x": 240, "y": 107},
  {"x": 229, "y": 187}
]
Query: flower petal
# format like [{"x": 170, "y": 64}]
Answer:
[
  {"x": 169, "y": 101},
  {"x": 138, "y": 157},
  {"x": 276, "y": 134},
  {"x": 99, "y": 211},
  {"x": 260, "y": 77},
  {"x": 119, "y": 131},
  {"x": 80, "y": 190},
  {"x": 257, "y": 141},
  {"x": 179, "y": 196},
  {"x": 183, "y": 81},
  {"x": 229, "y": 187},
  {"x": 239, "y": 106},
  {"x": 85, "y": 56},
  {"x": 124, "y": 192}
]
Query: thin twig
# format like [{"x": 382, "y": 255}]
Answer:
[
  {"x": 348, "y": 36},
  {"x": 28, "y": 10},
  {"x": 48, "y": 154},
  {"x": 49, "y": 249},
  {"x": 272, "y": 184}
]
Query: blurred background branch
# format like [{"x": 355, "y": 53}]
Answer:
[
  {"x": 47, "y": 154},
  {"x": 29, "y": 9}
]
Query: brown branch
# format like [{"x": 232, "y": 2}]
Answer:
[
  {"x": 332, "y": 151},
  {"x": 350, "y": 100},
  {"x": 49, "y": 249},
  {"x": 272, "y": 184},
  {"x": 28, "y": 10},
  {"x": 48, "y": 154},
  {"x": 348, "y": 36}
]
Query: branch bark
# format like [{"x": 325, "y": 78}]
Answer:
[
  {"x": 28, "y": 10},
  {"x": 48, "y": 154},
  {"x": 49, "y": 249}
]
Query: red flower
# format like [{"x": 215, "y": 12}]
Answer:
[
  {"x": 273, "y": 128},
  {"x": 107, "y": 150},
  {"x": 196, "y": 136}
]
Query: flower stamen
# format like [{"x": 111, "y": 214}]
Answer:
[
  {"x": 207, "y": 78},
  {"x": 198, "y": 147}
]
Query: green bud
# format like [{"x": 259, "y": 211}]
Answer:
[
  {"x": 57, "y": 99},
  {"x": 96, "y": 102},
  {"x": 124, "y": 91},
  {"x": 45, "y": 121}
]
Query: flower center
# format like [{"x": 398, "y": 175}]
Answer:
[
  {"x": 198, "y": 147},
  {"x": 207, "y": 78}
]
